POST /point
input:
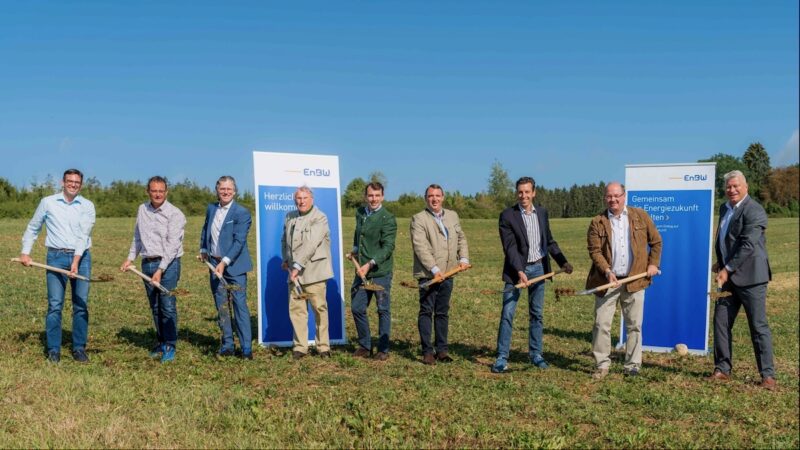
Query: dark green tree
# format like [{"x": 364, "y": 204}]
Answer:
[
  {"x": 501, "y": 188},
  {"x": 757, "y": 161},
  {"x": 725, "y": 164},
  {"x": 353, "y": 195}
]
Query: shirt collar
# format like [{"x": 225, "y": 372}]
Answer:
[
  {"x": 373, "y": 211},
  {"x": 63, "y": 198},
  {"x": 533, "y": 209},
  {"x": 729, "y": 203},
  {"x": 623, "y": 213},
  {"x": 160, "y": 208},
  {"x": 226, "y": 207},
  {"x": 440, "y": 215}
]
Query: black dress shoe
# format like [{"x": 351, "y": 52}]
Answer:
[
  {"x": 225, "y": 353},
  {"x": 247, "y": 356},
  {"x": 80, "y": 356},
  {"x": 53, "y": 356}
]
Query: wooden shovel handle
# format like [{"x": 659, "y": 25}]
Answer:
[
  {"x": 355, "y": 263},
  {"x": 53, "y": 269},
  {"x": 533, "y": 281},
  {"x": 148, "y": 279},
  {"x": 448, "y": 274},
  {"x": 621, "y": 282}
]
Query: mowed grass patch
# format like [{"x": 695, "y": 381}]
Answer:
[{"x": 124, "y": 399}]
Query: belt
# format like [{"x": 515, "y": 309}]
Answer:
[
  {"x": 63, "y": 250},
  {"x": 151, "y": 259},
  {"x": 534, "y": 262}
]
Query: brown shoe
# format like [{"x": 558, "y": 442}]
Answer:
[
  {"x": 429, "y": 359},
  {"x": 298, "y": 355},
  {"x": 718, "y": 375},
  {"x": 769, "y": 383},
  {"x": 443, "y": 357},
  {"x": 362, "y": 353},
  {"x": 599, "y": 374},
  {"x": 381, "y": 356}
]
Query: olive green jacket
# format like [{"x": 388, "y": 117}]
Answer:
[{"x": 374, "y": 240}]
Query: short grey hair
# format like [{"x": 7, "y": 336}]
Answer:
[
  {"x": 304, "y": 188},
  {"x": 734, "y": 174},
  {"x": 225, "y": 178}
]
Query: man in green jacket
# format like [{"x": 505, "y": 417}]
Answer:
[{"x": 373, "y": 246}]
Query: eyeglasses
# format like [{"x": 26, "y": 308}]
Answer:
[{"x": 611, "y": 197}]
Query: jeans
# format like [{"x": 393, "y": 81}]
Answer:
[
  {"x": 241, "y": 314},
  {"x": 165, "y": 314},
  {"x": 535, "y": 313},
  {"x": 434, "y": 307},
  {"x": 360, "y": 299},
  {"x": 56, "y": 290}
]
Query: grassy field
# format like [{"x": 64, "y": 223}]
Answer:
[{"x": 124, "y": 399}]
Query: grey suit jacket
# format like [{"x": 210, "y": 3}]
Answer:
[
  {"x": 307, "y": 241},
  {"x": 745, "y": 244}
]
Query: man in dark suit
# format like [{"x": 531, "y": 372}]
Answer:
[
  {"x": 527, "y": 241},
  {"x": 223, "y": 241},
  {"x": 743, "y": 269}
]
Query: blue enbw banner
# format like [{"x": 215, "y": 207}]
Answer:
[
  {"x": 277, "y": 177},
  {"x": 680, "y": 200}
]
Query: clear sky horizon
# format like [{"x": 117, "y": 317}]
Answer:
[{"x": 423, "y": 91}]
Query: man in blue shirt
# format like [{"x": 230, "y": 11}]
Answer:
[{"x": 69, "y": 219}]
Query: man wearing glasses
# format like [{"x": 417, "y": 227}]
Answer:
[
  {"x": 69, "y": 219},
  {"x": 618, "y": 241}
]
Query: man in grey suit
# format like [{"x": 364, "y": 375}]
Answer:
[{"x": 743, "y": 269}]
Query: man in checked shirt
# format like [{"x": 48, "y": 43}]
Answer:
[{"x": 158, "y": 238}]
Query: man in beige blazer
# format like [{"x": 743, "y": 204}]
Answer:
[
  {"x": 306, "y": 249},
  {"x": 439, "y": 245}
]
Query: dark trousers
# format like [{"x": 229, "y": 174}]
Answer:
[
  {"x": 434, "y": 308},
  {"x": 754, "y": 301},
  {"x": 360, "y": 299}
]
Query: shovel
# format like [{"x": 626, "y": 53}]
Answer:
[
  {"x": 719, "y": 293},
  {"x": 367, "y": 285},
  {"x": 228, "y": 288},
  {"x": 532, "y": 281},
  {"x": 158, "y": 286},
  {"x": 571, "y": 292},
  {"x": 102, "y": 279},
  {"x": 426, "y": 285}
]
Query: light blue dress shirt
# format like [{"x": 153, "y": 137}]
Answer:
[{"x": 69, "y": 225}]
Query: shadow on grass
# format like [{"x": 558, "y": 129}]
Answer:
[{"x": 147, "y": 339}]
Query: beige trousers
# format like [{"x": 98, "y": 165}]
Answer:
[
  {"x": 298, "y": 314},
  {"x": 632, "y": 310}
]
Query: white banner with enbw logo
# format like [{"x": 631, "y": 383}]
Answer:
[{"x": 277, "y": 176}]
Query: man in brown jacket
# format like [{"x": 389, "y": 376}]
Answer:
[
  {"x": 618, "y": 241},
  {"x": 439, "y": 245}
]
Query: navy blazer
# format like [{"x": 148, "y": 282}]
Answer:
[
  {"x": 232, "y": 237},
  {"x": 745, "y": 244},
  {"x": 515, "y": 242}
]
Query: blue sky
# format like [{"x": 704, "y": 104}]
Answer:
[{"x": 424, "y": 91}]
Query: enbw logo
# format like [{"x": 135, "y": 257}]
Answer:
[
  {"x": 317, "y": 172},
  {"x": 695, "y": 177}
]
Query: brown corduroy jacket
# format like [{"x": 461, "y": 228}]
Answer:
[{"x": 643, "y": 235}]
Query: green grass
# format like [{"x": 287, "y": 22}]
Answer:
[{"x": 124, "y": 399}]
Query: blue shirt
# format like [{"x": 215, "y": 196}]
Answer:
[{"x": 69, "y": 225}]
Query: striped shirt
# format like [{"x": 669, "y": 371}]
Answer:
[
  {"x": 216, "y": 227},
  {"x": 534, "y": 237},
  {"x": 69, "y": 225},
  {"x": 158, "y": 233},
  {"x": 724, "y": 224}
]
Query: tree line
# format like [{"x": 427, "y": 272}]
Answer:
[{"x": 776, "y": 188}]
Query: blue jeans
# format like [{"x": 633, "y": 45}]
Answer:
[
  {"x": 535, "y": 311},
  {"x": 165, "y": 313},
  {"x": 56, "y": 289},
  {"x": 434, "y": 309},
  {"x": 360, "y": 299},
  {"x": 241, "y": 314}
]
